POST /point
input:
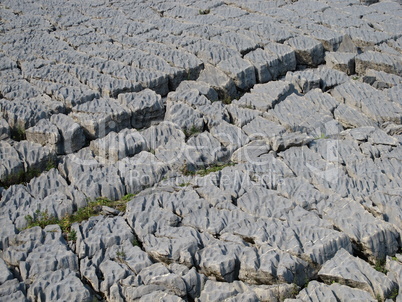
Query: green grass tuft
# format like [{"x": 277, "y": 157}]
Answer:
[
  {"x": 192, "y": 131},
  {"x": 380, "y": 266},
  {"x": 93, "y": 208},
  {"x": 206, "y": 171}
]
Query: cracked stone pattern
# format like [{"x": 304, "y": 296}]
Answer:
[{"x": 109, "y": 98}]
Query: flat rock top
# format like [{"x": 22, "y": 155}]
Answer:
[{"x": 200, "y": 151}]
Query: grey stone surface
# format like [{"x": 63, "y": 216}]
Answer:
[
  {"x": 241, "y": 71},
  {"x": 321, "y": 292},
  {"x": 378, "y": 61},
  {"x": 11, "y": 164},
  {"x": 184, "y": 116},
  {"x": 4, "y": 129},
  {"x": 382, "y": 79},
  {"x": 101, "y": 116},
  {"x": 370, "y": 101},
  {"x": 218, "y": 80},
  {"x": 202, "y": 87},
  {"x": 59, "y": 285},
  {"x": 44, "y": 133},
  {"x": 243, "y": 157},
  {"x": 34, "y": 156},
  {"x": 72, "y": 134},
  {"x": 304, "y": 81},
  {"x": 308, "y": 51},
  {"x": 357, "y": 273},
  {"x": 116, "y": 146},
  {"x": 341, "y": 61},
  {"x": 146, "y": 106},
  {"x": 265, "y": 96}
]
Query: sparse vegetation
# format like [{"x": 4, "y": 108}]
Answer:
[
  {"x": 41, "y": 219},
  {"x": 322, "y": 136},
  {"x": 394, "y": 294},
  {"x": 18, "y": 133},
  {"x": 204, "y": 11},
  {"x": 355, "y": 78},
  {"x": 135, "y": 242},
  {"x": 380, "y": 266},
  {"x": 294, "y": 291},
  {"x": 121, "y": 255},
  {"x": 192, "y": 131},
  {"x": 184, "y": 184},
  {"x": 23, "y": 176},
  {"x": 227, "y": 100},
  {"x": 205, "y": 171},
  {"x": 72, "y": 236},
  {"x": 93, "y": 208}
]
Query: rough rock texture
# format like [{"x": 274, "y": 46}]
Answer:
[
  {"x": 354, "y": 272},
  {"x": 200, "y": 151}
]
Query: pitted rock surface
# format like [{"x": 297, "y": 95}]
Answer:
[{"x": 201, "y": 151}]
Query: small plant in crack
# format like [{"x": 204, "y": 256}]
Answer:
[
  {"x": 18, "y": 133},
  {"x": 322, "y": 136},
  {"x": 204, "y": 11},
  {"x": 121, "y": 255},
  {"x": 135, "y": 242},
  {"x": 192, "y": 131},
  {"x": 72, "y": 236},
  {"x": 380, "y": 266}
]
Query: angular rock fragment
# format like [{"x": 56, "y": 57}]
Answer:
[
  {"x": 261, "y": 128},
  {"x": 99, "y": 182},
  {"x": 341, "y": 61},
  {"x": 72, "y": 134},
  {"x": 146, "y": 106},
  {"x": 382, "y": 79},
  {"x": 191, "y": 97},
  {"x": 167, "y": 140},
  {"x": 302, "y": 114},
  {"x": 4, "y": 129},
  {"x": 13, "y": 290},
  {"x": 370, "y": 101},
  {"x": 230, "y": 136},
  {"x": 265, "y": 96},
  {"x": 378, "y": 61},
  {"x": 241, "y": 71},
  {"x": 184, "y": 116},
  {"x": 304, "y": 81},
  {"x": 100, "y": 231},
  {"x": 218, "y": 80},
  {"x": 35, "y": 157},
  {"x": 101, "y": 116},
  {"x": 59, "y": 285},
  {"x": 37, "y": 257},
  {"x": 266, "y": 64},
  {"x": 141, "y": 171},
  {"x": 351, "y": 118},
  {"x": 22, "y": 114},
  {"x": 354, "y": 272},
  {"x": 241, "y": 116},
  {"x": 287, "y": 56},
  {"x": 46, "y": 134},
  {"x": 316, "y": 292},
  {"x": 202, "y": 87},
  {"x": 375, "y": 238},
  {"x": 116, "y": 146},
  {"x": 309, "y": 52},
  {"x": 11, "y": 165}
]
